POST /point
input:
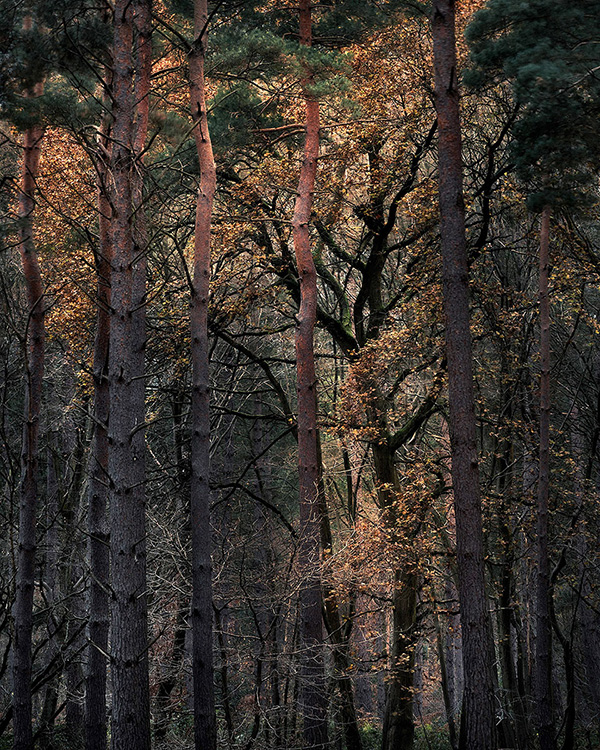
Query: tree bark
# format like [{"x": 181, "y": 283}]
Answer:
[
  {"x": 202, "y": 610},
  {"x": 478, "y": 726},
  {"x": 446, "y": 691},
  {"x": 129, "y": 642},
  {"x": 339, "y": 635},
  {"x": 398, "y": 721},
  {"x": 99, "y": 537},
  {"x": 312, "y": 689},
  {"x": 34, "y": 353},
  {"x": 543, "y": 642}
]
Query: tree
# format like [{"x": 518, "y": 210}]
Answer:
[
  {"x": 202, "y": 618},
  {"x": 553, "y": 83},
  {"x": 129, "y": 657},
  {"x": 314, "y": 706},
  {"x": 34, "y": 364},
  {"x": 478, "y": 721},
  {"x": 99, "y": 537},
  {"x": 386, "y": 565}
]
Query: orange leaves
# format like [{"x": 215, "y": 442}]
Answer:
[
  {"x": 66, "y": 213},
  {"x": 392, "y": 374},
  {"x": 367, "y": 555}
]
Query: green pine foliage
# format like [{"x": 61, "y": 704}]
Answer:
[
  {"x": 64, "y": 48},
  {"x": 548, "y": 50},
  {"x": 252, "y": 53}
]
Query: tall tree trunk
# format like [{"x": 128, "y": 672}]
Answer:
[
  {"x": 513, "y": 724},
  {"x": 34, "y": 338},
  {"x": 543, "y": 642},
  {"x": 142, "y": 64},
  {"x": 129, "y": 640},
  {"x": 202, "y": 609},
  {"x": 73, "y": 578},
  {"x": 171, "y": 671},
  {"x": 48, "y": 713},
  {"x": 312, "y": 696},
  {"x": 446, "y": 692},
  {"x": 478, "y": 707},
  {"x": 99, "y": 537},
  {"x": 339, "y": 634},
  {"x": 398, "y": 720}
]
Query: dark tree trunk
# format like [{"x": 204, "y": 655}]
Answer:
[
  {"x": 48, "y": 713},
  {"x": 142, "y": 64},
  {"x": 99, "y": 538},
  {"x": 72, "y": 557},
  {"x": 35, "y": 337},
  {"x": 513, "y": 724},
  {"x": 543, "y": 642},
  {"x": 312, "y": 696},
  {"x": 446, "y": 692},
  {"x": 168, "y": 682},
  {"x": 339, "y": 634},
  {"x": 129, "y": 641},
  {"x": 478, "y": 707},
  {"x": 398, "y": 721},
  {"x": 202, "y": 610}
]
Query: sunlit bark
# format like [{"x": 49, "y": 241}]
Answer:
[
  {"x": 312, "y": 697},
  {"x": 202, "y": 618},
  {"x": 34, "y": 358}
]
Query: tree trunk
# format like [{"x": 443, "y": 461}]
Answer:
[
  {"x": 398, "y": 721},
  {"x": 446, "y": 691},
  {"x": 478, "y": 708},
  {"x": 312, "y": 694},
  {"x": 34, "y": 338},
  {"x": 129, "y": 641},
  {"x": 202, "y": 610},
  {"x": 52, "y": 543},
  {"x": 514, "y": 724},
  {"x": 73, "y": 578},
  {"x": 142, "y": 63},
  {"x": 362, "y": 682},
  {"x": 543, "y": 643},
  {"x": 99, "y": 537},
  {"x": 339, "y": 634}
]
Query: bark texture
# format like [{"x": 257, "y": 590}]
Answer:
[
  {"x": 202, "y": 617},
  {"x": 99, "y": 537},
  {"x": 478, "y": 725},
  {"x": 398, "y": 722},
  {"x": 129, "y": 664},
  {"x": 543, "y": 642},
  {"x": 339, "y": 631},
  {"x": 313, "y": 694},
  {"x": 34, "y": 359}
]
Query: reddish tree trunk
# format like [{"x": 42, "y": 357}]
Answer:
[
  {"x": 313, "y": 699},
  {"x": 129, "y": 662},
  {"x": 35, "y": 337},
  {"x": 478, "y": 727},
  {"x": 202, "y": 619},
  {"x": 543, "y": 642}
]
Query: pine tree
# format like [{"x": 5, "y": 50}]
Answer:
[
  {"x": 205, "y": 731},
  {"x": 34, "y": 357},
  {"x": 129, "y": 657},
  {"x": 548, "y": 53},
  {"x": 478, "y": 719}
]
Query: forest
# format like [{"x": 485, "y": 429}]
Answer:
[{"x": 300, "y": 383}]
